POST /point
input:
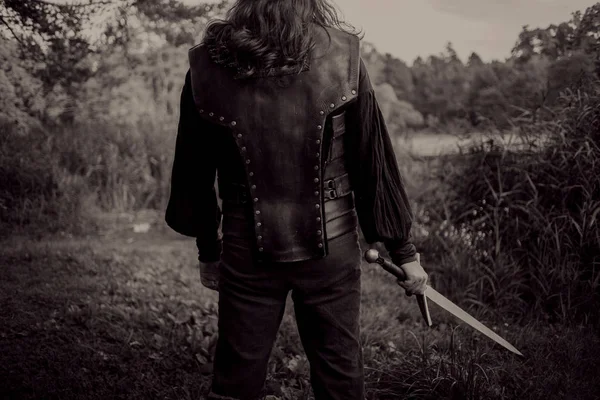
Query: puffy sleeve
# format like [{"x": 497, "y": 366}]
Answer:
[
  {"x": 193, "y": 209},
  {"x": 383, "y": 208}
]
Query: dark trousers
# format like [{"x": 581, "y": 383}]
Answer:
[{"x": 326, "y": 295}]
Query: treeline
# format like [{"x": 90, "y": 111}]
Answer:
[{"x": 442, "y": 90}]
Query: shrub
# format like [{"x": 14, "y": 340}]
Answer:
[
  {"x": 126, "y": 168},
  {"x": 36, "y": 196},
  {"x": 47, "y": 176},
  {"x": 527, "y": 219}
]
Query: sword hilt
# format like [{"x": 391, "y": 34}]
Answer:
[{"x": 372, "y": 256}]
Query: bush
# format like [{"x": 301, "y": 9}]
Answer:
[
  {"x": 35, "y": 195},
  {"x": 125, "y": 168},
  {"x": 49, "y": 176},
  {"x": 524, "y": 222}
]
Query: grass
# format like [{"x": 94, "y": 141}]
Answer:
[{"x": 123, "y": 316}]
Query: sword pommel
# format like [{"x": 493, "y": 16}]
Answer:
[{"x": 371, "y": 256}]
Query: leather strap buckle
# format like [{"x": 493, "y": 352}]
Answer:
[
  {"x": 331, "y": 194},
  {"x": 330, "y": 191},
  {"x": 337, "y": 187}
]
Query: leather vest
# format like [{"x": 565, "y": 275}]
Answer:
[{"x": 299, "y": 196}]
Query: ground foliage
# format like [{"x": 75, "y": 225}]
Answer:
[{"x": 122, "y": 315}]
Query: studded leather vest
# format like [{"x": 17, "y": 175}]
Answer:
[{"x": 299, "y": 196}]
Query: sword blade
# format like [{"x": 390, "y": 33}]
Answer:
[{"x": 453, "y": 309}]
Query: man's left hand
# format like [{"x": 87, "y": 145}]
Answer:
[{"x": 209, "y": 274}]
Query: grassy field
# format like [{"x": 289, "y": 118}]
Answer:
[{"x": 122, "y": 315}]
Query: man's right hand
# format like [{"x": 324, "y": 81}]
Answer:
[{"x": 416, "y": 278}]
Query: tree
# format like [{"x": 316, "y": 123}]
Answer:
[
  {"x": 55, "y": 35},
  {"x": 474, "y": 61},
  {"x": 20, "y": 104},
  {"x": 398, "y": 114},
  {"x": 527, "y": 87},
  {"x": 566, "y": 72},
  {"x": 52, "y": 36},
  {"x": 580, "y": 33},
  {"x": 374, "y": 62},
  {"x": 398, "y": 75},
  {"x": 55, "y": 45},
  {"x": 441, "y": 85}
]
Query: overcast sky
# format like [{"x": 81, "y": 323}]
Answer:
[{"x": 409, "y": 28}]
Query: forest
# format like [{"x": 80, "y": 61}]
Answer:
[{"x": 89, "y": 107}]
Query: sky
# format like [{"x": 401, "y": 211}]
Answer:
[{"x": 411, "y": 28}]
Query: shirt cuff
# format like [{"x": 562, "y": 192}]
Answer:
[
  {"x": 401, "y": 252},
  {"x": 209, "y": 251}
]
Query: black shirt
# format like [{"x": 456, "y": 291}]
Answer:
[{"x": 382, "y": 204}]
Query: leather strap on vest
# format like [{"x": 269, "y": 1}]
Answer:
[
  {"x": 339, "y": 207},
  {"x": 332, "y": 189}
]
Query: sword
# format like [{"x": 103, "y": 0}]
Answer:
[{"x": 372, "y": 256}]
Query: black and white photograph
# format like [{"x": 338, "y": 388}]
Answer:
[{"x": 299, "y": 200}]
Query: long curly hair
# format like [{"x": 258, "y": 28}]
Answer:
[{"x": 258, "y": 37}]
